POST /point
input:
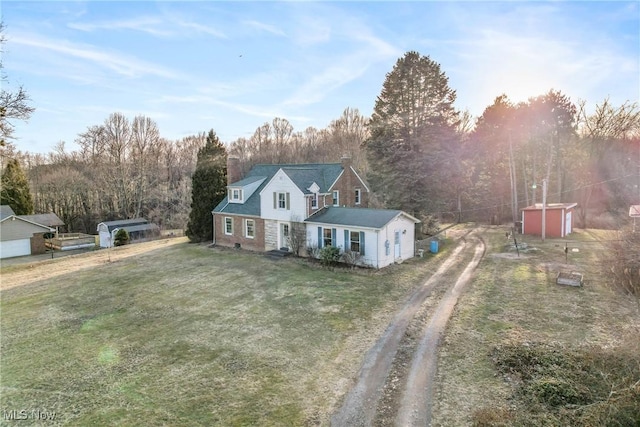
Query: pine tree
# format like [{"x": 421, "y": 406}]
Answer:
[
  {"x": 15, "y": 189},
  {"x": 208, "y": 188},
  {"x": 412, "y": 123}
]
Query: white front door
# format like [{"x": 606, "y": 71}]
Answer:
[
  {"x": 396, "y": 243},
  {"x": 567, "y": 226},
  {"x": 284, "y": 235}
]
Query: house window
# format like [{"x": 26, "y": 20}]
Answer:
[
  {"x": 235, "y": 195},
  {"x": 327, "y": 237},
  {"x": 354, "y": 241},
  {"x": 249, "y": 228},
  {"x": 314, "y": 201},
  {"x": 336, "y": 198},
  {"x": 281, "y": 201},
  {"x": 228, "y": 226},
  {"x": 358, "y": 194}
]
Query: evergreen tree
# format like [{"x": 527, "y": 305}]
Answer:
[
  {"x": 15, "y": 189},
  {"x": 412, "y": 125},
  {"x": 121, "y": 238},
  {"x": 208, "y": 188}
]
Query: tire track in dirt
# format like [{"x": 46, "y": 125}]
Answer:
[
  {"x": 416, "y": 403},
  {"x": 360, "y": 405}
]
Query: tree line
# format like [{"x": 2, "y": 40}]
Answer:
[{"x": 416, "y": 150}]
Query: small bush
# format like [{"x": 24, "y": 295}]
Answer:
[
  {"x": 351, "y": 258},
  {"x": 329, "y": 255},
  {"x": 121, "y": 238}
]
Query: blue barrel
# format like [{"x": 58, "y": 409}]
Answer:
[{"x": 434, "y": 246}]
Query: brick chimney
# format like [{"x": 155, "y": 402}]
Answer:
[
  {"x": 234, "y": 173},
  {"x": 346, "y": 161},
  {"x": 347, "y": 197}
]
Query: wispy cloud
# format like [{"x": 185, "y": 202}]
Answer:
[
  {"x": 123, "y": 65},
  {"x": 202, "y": 29},
  {"x": 265, "y": 27},
  {"x": 153, "y": 25},
  {"x": 362, "y": 50},
  {"x": 149, "y": 25}
]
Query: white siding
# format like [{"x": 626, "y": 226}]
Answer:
[
  {"x": 370, "y": 240},
  {"x": 280, "y": 183},
  {"x": 407, "y": 242},
  {"x": 376, "y": 254}
]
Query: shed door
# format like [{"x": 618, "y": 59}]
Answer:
[
  {"x": 567, "y": 224},
  {"x": 12, "y": 248},
  {"x": 396, "y": 243}
]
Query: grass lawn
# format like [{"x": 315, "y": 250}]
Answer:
[
  {"x": 514, "y": 301},
  {"x": 188, "y": 335}
]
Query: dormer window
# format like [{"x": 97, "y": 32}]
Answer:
[
  {"x": 314, "y": 201},
  {"x": 235, "y": 195}
]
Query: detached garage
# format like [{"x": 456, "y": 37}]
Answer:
[
  {"x": 558, "y": 223},
  {"x": 17, "y": 234}
]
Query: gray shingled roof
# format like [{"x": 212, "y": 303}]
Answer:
[
  {"x": 5, "y": 211},
  {"x": 48, "y": 219},
  {"x": 303, "y": 175},
  {"x": 355, "y": 217},
  {"x": 322, "y": 174}
]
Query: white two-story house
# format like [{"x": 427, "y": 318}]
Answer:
[{"x": 262, "y": 208}]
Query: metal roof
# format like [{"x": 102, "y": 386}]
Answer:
[
  {"x": 538, "y": 206},
  {"x": 122, "y": 223},
  {"x": 140, "y": 227},
  {"x": 357, "y": 217}
]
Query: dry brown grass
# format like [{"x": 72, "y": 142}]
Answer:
[{"x": 515, "y": 299}]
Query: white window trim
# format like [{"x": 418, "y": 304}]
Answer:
[
  {"x": 351, "y": 241},
  {"x": 225, "y": 225},
  {"x": 335, "y": 200},
  {"x": 314, "y": 201},
  {"x": 358, "y": 197},
  {"x": 324, "y": 238},
  {"x": 232, "y": 195},
  {"x": 246, "y": 228}
]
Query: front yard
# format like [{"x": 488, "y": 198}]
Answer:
[{"x": 188, "y": 335}]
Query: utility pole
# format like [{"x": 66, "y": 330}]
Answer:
[{"x": 544, "y": 207}]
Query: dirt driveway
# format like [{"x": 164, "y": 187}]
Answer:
[
  {"x": 42, "y": 266},
  {"x": 393, "y": 389}
]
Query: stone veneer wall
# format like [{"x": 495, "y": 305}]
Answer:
[{"x": 270, "y": 235}]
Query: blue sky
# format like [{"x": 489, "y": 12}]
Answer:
[{"x": 231, "y": 66}]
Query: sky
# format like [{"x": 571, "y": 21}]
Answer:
[{"x": 232, "y": 66}]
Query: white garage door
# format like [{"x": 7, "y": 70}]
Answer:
[{"x": 12, "y": 248}]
